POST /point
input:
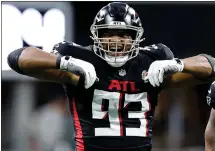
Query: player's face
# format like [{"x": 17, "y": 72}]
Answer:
[{"x": 116, "y": 42}]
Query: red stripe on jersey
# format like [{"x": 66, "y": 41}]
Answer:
[
  {"x": 120, "y": 114},
  {"x": 79, "y": 135},
  {"x": 147, "y": 122}
]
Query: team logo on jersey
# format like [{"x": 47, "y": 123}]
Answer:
[
  {"x": 144, "y": 74},
  {"x": 209, "y": 100},
  {"x": 209, "y": 91},
  {"x": 122, "y": 72}
]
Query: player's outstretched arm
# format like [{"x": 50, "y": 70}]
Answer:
[
  {"x": 40, "y": 64},
  {"x": 36, "y": 63},
  {"x": 197, "y": 70},
  {"x": 210, "y": 133},
  {"x": 182, "y": 72}
]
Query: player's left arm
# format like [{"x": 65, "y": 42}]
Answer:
[
  {"x": 196, "y": 70},
  {"x": 168, "y": 71},
  {"x": 210, "y": 133}
]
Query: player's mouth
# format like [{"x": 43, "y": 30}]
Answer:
[{"x": 118, "y": 49}]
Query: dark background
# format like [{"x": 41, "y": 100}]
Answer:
[{"x": 187, "y": 28}]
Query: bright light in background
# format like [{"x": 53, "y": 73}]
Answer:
[
  {"x": 50, "y": 25},
  {"x": 11, "y": 36},
  {"x": 30, "y": 26}
]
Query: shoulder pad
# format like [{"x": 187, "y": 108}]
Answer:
[
  {"x": 60, "y": 47},
  {"x": 159, "y": 51},
  {"x": 68, "y": 48}
]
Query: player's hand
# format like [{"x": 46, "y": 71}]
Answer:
[
  {"x": 159, "y": 69},
  {"x": 81, "y": 68}
]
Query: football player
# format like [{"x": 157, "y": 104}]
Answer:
[
  {"x": 210, "y": 129},
  {"x": 113, "y": 85}
]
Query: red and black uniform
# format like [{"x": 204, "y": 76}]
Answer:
[{"x": 116, "y": 113}]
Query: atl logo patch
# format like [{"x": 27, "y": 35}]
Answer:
[
  {"x": 209, "y": 100},
  {"x": 144, "y": 74}
]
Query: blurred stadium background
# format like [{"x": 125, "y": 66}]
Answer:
[{"x": 35, "y": 114}]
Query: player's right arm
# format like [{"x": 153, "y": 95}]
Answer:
[
  {"x": 36, "y": 63},
  {"x": 210, "y": 133}
]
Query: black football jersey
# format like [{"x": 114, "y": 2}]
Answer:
[
  {"x": 117, "y": 111},
  {"x": 211, "y": 95}
]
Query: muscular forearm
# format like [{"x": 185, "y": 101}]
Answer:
[
  {"x": 210, "y": 133},
  {"x": 34, "y": 59},
  {"x": 197, "y": 70},
  {"x": 39, "y": 64},
  {"x": 209, "y": 141},
  {"x": 54, "y": 75},
  {"x": 197, "y": 66}
]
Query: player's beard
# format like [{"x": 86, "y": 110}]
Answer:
[{"x": 117, "y": 61}]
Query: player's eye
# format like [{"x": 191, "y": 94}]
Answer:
[
  {"x": 106, "y": 35},
  {"x": 127, "y": 36}
]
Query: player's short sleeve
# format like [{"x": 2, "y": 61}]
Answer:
[
  {"x": 72, "y": 49},
  {"x": 67, "y": 48},
  {"x": 159, "y": 51},
  {"x": 60, "y": 48}
]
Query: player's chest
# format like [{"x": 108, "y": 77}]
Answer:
[{"x": 123, "y": 80}]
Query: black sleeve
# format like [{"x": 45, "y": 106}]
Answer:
[
  {"x": 69, "y": 48},
  {"x": 159, "y": 51},
  {"x": 13, "y": 59},
  {"x": 61, "y": 48},
  {"x": 77, "y": 51}
]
